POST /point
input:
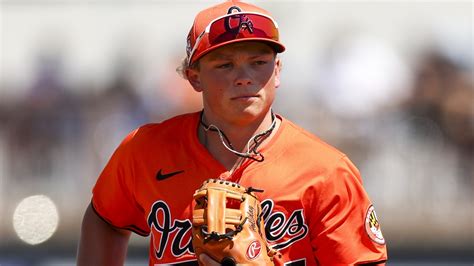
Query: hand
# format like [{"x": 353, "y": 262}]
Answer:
[{"x": 208, "y": 261}]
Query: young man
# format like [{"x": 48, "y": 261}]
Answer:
[{"x": 315, "y": 208}]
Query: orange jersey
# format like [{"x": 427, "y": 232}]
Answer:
[{"x": 315, "y": 208}]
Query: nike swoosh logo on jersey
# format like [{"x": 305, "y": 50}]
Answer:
[{"x": 160, "y": 176}]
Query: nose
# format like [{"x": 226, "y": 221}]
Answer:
[{"x": 243, "y": 77}]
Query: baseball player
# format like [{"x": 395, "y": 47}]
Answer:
[{"x": 314, "y": 206}]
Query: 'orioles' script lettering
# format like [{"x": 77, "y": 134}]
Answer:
[
  {"x": 281, "y": 231},
  {"x": 277, "y": 225},
  {"x": 162, "y": 229}
]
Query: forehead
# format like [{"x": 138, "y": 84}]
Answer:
[{"x": 250, "y": 48}]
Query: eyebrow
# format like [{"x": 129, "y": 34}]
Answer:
[{"x": 218, "y": 56}]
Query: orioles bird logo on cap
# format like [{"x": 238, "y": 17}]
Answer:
[{"x": 244, "y": 23}]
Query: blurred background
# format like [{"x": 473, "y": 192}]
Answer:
[{"x": 390, "y": 83}]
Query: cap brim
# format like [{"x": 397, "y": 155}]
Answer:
[{"x": 277, "y": 46}]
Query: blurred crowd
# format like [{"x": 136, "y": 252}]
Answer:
[
  {"x": 56, "y": 139},
  {"x": 52, "y": 121},
  {"x": 443, "y": 94}
]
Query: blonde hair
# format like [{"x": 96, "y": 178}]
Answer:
[{"x": 181, "y": 69}]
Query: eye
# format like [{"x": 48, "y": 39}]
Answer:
[
  {"x": 223, "y": 66},
  {"x": 260, "y": 62}
]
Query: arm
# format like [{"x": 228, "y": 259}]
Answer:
[
  {"x": 342, "y": 230},
  {"x": 100, "y": 243}
]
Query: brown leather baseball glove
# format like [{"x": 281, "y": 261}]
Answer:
[{"x": 227, "y": 224}]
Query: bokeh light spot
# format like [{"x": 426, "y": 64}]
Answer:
[{"x": 35, "y": 219}]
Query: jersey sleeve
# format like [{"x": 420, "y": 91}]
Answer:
[
  {"x": 343, "y": 225},
  {"x": 113, "y": 196}
]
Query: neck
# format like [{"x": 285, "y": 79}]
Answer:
[{"x": 237, "y": 134}]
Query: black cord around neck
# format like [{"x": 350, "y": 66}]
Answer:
[{"x": 258, "y": 139}]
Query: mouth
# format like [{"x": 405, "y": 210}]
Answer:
[{"x": 244, "y": 97}]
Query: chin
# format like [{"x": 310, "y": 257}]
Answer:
[{"x": 250, "y": 114}]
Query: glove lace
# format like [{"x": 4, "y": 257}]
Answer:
[{"x": 229, "y": 235}]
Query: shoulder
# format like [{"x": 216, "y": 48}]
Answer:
[
  {"x": 313, "y": 157},
  {"x": 308, "y": 144},
  {"x": 168, "y": 130}
]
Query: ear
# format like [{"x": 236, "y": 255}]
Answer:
[
  {"x": 193, "y": 77},
  {"x": 277, "y": 70}
]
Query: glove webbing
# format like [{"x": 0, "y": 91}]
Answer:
[{"x": 216, "y": 236}]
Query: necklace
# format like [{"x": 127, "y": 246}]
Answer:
[{"x": 252, "y": 145}]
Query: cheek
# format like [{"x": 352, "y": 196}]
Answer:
[
  {"x": 219, "y": 85},
  {"x": 269, "y": 78},
  {"x": 215, "y": 80},
  {"x": 212, "y": 89}
]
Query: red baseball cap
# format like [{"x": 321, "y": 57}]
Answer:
[{"x": 229, "y": 22}]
